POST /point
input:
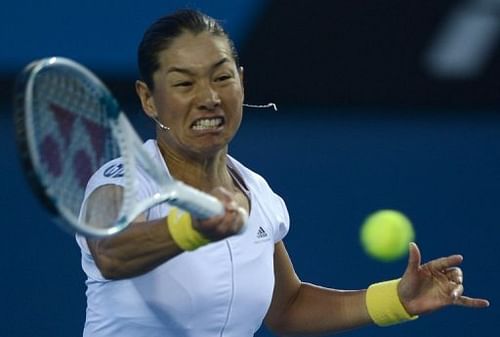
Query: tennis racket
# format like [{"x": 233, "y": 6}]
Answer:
[{"x": 68, "y": 125}]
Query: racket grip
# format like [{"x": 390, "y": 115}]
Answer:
[{"x": 200, "y": 204}]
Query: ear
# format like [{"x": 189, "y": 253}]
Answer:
[{"x": 146, "y": 97}]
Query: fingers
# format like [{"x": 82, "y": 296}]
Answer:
[
  {"x": 227, "y": 224},
  {"x": 445, "y": 263},
  {"x": 455, "y": 275},
  {"x": 227, "y": 199},
  {"x": 456, "y": 292},
  {"x": 222, "y": 194},
  {"x": 435, "y": 284},
  {"x": 471, "y": 302},
  {"x": 229, "y": 202},
  {"x": 414, "y": 257},
  {"x": 220, "y": 227},
  {"x": 244, "y": 218}
]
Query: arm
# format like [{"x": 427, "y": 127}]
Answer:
[
  {"x": 144, "y": 245},
  {"x": 300, "y": 308},
  {"x": 139, "y": 248}
]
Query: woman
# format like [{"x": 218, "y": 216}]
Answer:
[{"x": 171, "y": 275}]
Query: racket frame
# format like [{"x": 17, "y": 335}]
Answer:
[{"x": 133, "y": 154}]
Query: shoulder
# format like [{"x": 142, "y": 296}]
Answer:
[
  {"x": 258, "y": 186},
  {"x": 252, "y": 179},
  {"x": 271, "y": 206},
  {"x": 113, "y": 172},
  {"x": 110, "y": 173}
]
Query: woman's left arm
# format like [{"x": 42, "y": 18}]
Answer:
[{"x": 299, "y": 308}]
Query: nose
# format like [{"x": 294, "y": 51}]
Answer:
[{"x": 208, "y": 98}]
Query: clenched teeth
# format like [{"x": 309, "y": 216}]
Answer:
[{"x": 207, "y": 123}]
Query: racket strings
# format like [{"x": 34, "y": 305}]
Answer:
[{"x": 72, "y": 134}]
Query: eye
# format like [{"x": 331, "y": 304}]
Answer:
[
  {"x": 222, "y": 78},
  {"x": 183, "y": 84}
]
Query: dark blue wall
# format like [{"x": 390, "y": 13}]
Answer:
[
  {"x": 101, "y": 34},
  {"x": 333, "y": 166},
  {"x": 332, "y": 169}
]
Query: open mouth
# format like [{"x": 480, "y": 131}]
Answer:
[{"x": 208, "y": 123}]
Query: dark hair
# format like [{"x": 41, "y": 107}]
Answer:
[{"x": 162, "y": 32}]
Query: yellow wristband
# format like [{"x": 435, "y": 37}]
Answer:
[
  {"x": 383, "y": 304},
  {"x": 180, "y": 226}
]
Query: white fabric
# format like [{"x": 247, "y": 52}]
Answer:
[{"x": 221, "y": 289}]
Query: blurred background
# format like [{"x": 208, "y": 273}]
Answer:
[{"x": 389, "y": 104}]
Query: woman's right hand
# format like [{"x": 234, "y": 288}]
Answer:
[{"x": 222, "y": 226}]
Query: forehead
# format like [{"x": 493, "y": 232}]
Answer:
[{"x": 195, "y": 51}]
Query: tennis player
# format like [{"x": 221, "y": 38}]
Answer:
[{"x": 169, "y": 274}]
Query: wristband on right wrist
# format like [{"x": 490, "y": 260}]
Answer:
[
  {"x": 384, "y": 306},
  {"x": 182, "y": 232}
]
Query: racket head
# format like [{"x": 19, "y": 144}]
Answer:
[{"x": 64, "y": 118}]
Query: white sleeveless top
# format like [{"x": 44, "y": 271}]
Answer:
[{"x": 221, "y": 289}]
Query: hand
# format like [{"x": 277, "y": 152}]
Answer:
[
  {"x": 436, "y": 284},
  {"x": 222, "y": 226}
]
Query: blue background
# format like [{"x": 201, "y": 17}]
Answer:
[
  {"x": 333, "y": 164},
  {"x": 101, "y": 34}
]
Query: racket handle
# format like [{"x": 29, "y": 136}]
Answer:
[{"x": 201, "y": 205}]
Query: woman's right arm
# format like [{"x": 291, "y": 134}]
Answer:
[{"x": 146, "y": 244}]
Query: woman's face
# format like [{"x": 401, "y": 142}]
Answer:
[{"x": 198, "y": 94}]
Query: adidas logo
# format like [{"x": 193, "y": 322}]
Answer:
[{"x": 261, "y": 233}]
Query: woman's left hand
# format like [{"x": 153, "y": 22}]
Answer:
[{"x": 433, "y": 285}]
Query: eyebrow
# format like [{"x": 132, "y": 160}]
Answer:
[{"x": 190, "y": 72}]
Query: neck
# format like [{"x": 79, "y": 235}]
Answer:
[{"x": 202, "y": 172}]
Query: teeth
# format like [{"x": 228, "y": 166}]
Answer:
[{"x": 207, "y": 123}]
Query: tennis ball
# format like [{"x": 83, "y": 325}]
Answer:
[{"x": 385, "y": 235}]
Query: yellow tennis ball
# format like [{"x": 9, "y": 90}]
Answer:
[{"x": 385, "y": 235}]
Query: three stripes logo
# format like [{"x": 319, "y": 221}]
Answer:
[{"x": 261, "y": 235}]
